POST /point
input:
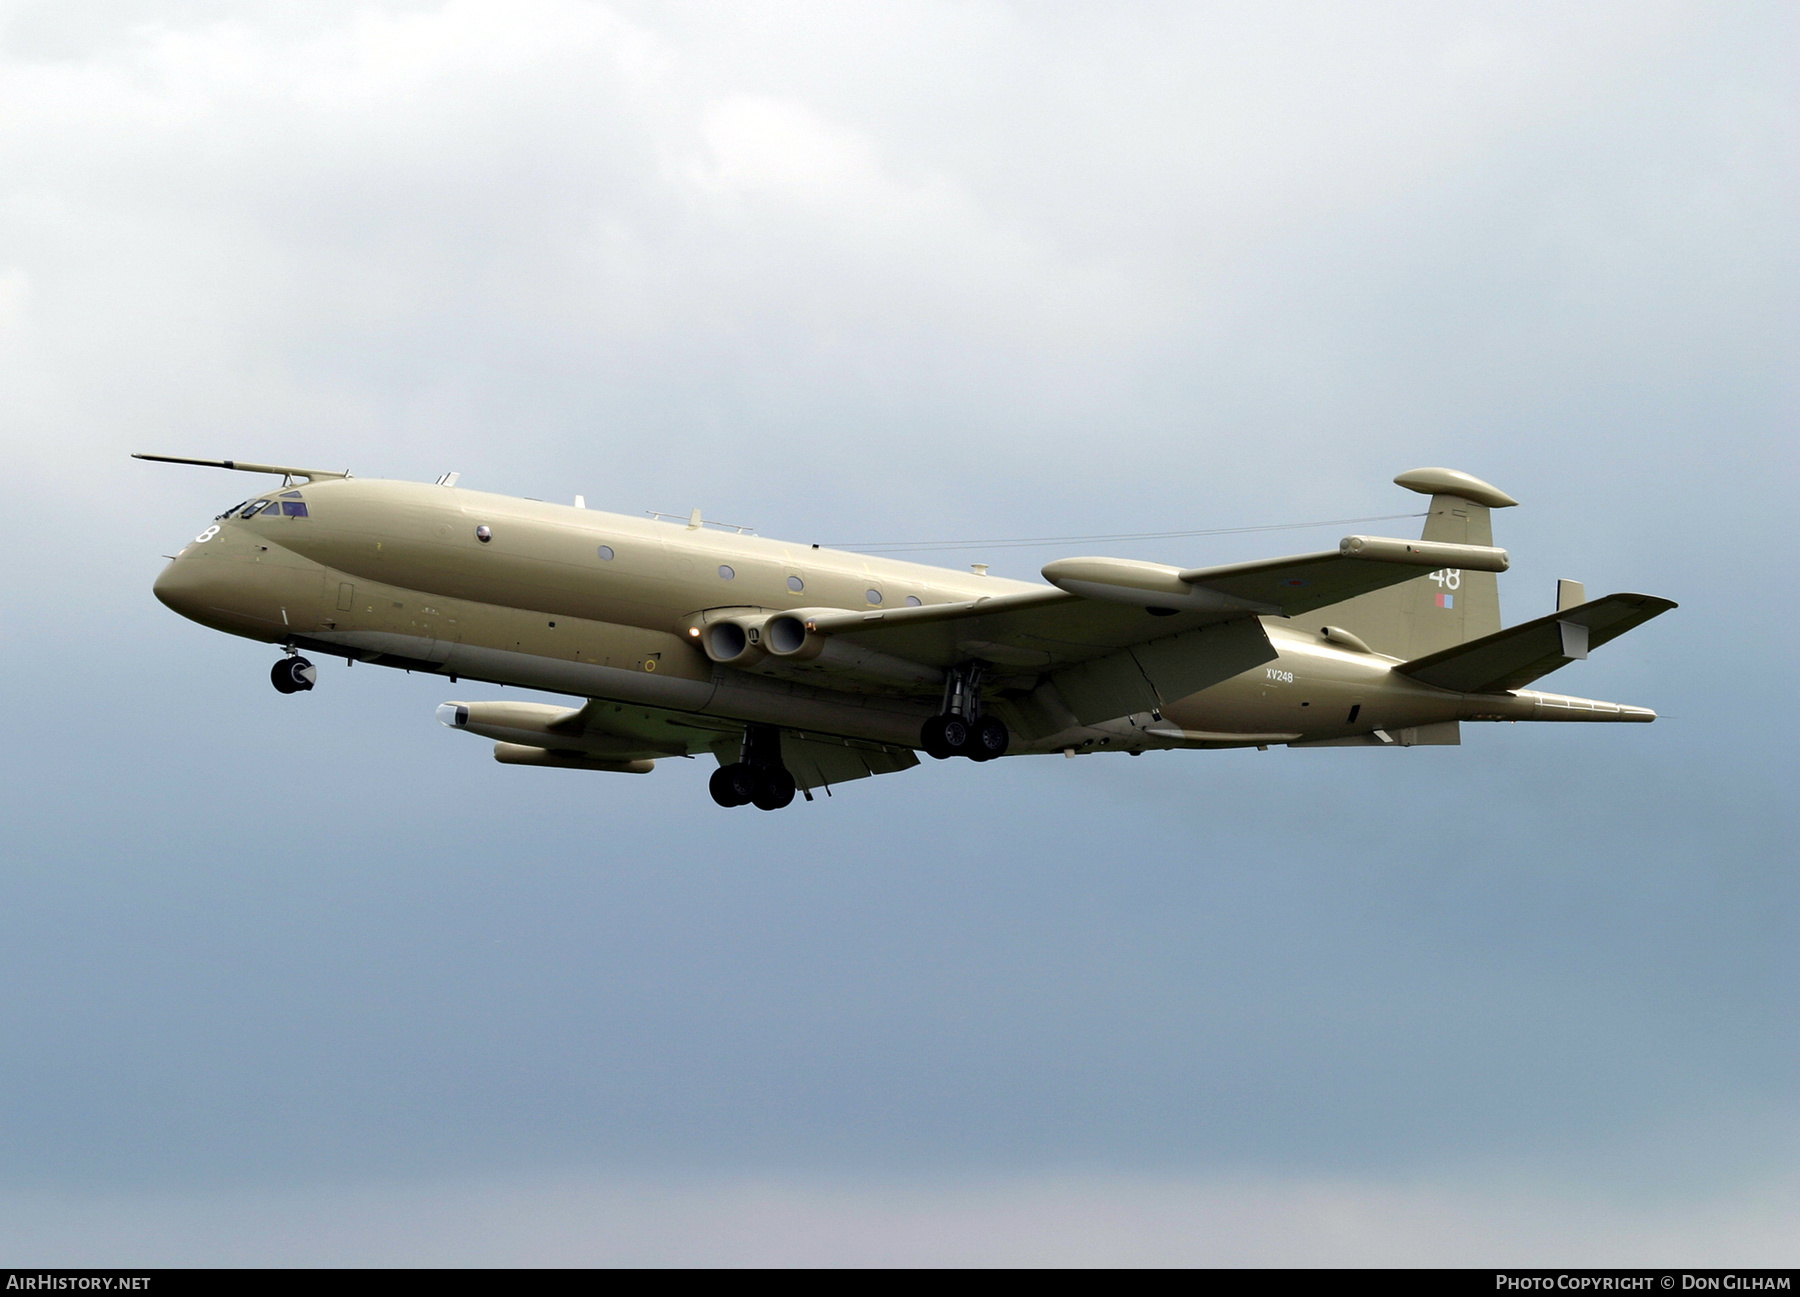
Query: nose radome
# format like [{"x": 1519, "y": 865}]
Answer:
[{"x": 180, "y": 587}]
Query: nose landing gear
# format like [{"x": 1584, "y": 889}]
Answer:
[
  {"x": 961, "y": 729},
  {"x": 293, "y": 675},
  {"x": 759, "y": 779}
]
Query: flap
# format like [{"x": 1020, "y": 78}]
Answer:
[
  {"x": 1150, "y": 676},
  {"x": 817, "y": 762},
  {"x": 620, "y": 730},
  {"x": 821, "y": 760}
]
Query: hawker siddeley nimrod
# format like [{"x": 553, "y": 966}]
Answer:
[{"x": 800, "y": 667}]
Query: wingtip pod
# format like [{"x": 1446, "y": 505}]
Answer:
[
  {"x": 1426, "y": 553},
  {"x": 1449, "y": 481}
]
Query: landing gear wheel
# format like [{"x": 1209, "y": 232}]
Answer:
[
  {"x": 293, "y": 675},
  {"x": 988, "y": 738},
  {"x": 732, "y": 785},
  {"x": 934, "y": 740},
  {"x": 773, "y": 789}
]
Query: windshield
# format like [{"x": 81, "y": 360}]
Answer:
[{"x": 282, "y": 507}]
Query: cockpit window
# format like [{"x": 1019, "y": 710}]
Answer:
[
  {"x": 234, "y": 508},
  {"x": 290, "y": 495},
  {"x": 255, "y": 507},
  {"x": 293, "y": 508}
]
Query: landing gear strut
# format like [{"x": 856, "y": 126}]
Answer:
[
  {"x": 961, "y": 729},
  {"x": 293, "y": 674},
  {"x": 759, "y": 778}
]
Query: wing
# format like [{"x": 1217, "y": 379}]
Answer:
[
  {"x": 1280, "y": 586},
  {"x": 1103, "y": 604},
  {"x": 1118, "y": 636},
  {"x": 617, "y": 736},
  {"x": 1103, "y": 659}
]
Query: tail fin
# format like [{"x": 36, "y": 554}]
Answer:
[{"x": 1448, "y": 607}]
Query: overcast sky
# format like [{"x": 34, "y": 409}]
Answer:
[{"x": 313, "y": 979}]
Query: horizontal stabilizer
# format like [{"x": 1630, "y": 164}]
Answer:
[{"x": 1513, "y": 658}]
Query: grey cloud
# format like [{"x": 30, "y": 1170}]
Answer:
[
  {"x": 1058, "y": 1220},
  {"x": 910, "y": 272}
]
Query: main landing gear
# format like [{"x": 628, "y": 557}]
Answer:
[
  {"x": 293, "y": 674},
  {"x": 960, "y": 729},
  {"x": 759, "y": 779}
]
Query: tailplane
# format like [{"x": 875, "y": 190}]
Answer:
[
  {"x": 1513, "y": 658},
  {"x": 1445, "y": 608}
]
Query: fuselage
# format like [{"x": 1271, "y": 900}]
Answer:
[{"x": 607, "y": 606}]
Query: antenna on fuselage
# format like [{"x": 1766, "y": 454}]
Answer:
[{"x": 695, "y": 522}]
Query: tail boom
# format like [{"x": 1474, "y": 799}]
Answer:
[{"x": 1534, "y": 705}]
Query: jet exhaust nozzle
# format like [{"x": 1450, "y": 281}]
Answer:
[
  {"x": 789, "y": 637},
  {"x": 734, "y": 641},
  {"x": 786, "y": 636}
]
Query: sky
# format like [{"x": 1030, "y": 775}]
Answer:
[{"x": 312, "y": 980}]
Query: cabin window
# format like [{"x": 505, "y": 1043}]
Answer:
[
  {"x": 873, "y": 596},
  {"x": 605, "y": 552},
  {"x": 913, "y": 601},
  {"x": 796, "y": 584},
  {"x": 725, "y": 572},
  {"x": 294, "y": 508}
]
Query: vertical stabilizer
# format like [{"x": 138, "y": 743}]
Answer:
[{"x": 1446, "y": 607}]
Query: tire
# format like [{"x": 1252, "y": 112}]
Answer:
[
  {"x": 956, "y": 734},
  {"x": 932, "y": 740},
  {"x": 731, "y": 785},
  {"x": 988, "y": 738},
  {"x": 293, "y": 675},
  {"x": 774, "y": 789}
]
